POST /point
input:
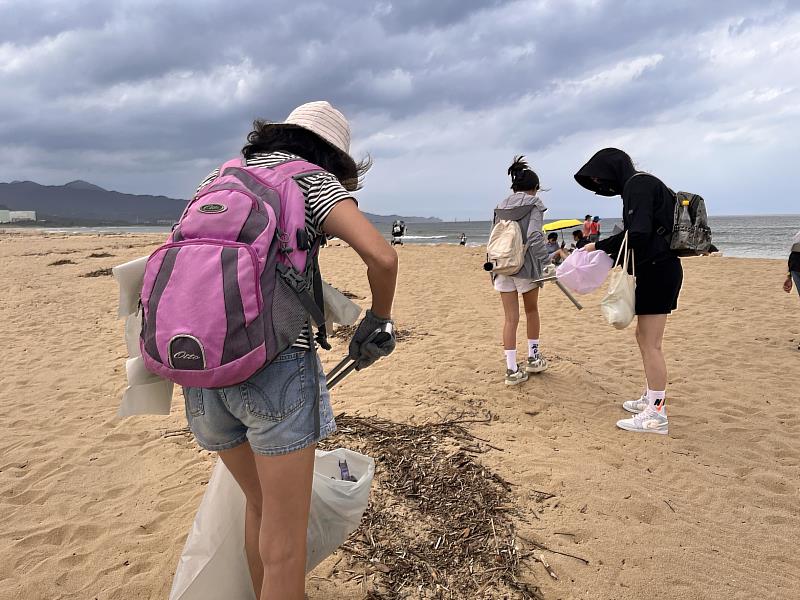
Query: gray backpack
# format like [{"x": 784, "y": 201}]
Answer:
[{"x": 690, "y": 233}]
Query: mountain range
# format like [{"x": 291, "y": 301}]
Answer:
[{"x": 83, "y": 203}]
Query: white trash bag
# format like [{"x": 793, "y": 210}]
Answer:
[
  {"x": 583, "y": 272},
  {"x": 336, "y": 506},
  {"x": 213, "y": 564}
]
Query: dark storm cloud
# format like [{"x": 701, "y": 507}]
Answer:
[
  {"x": 419, "y": 14},
  {"x": 141, "y": 81}
]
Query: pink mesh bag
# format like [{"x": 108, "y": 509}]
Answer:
[{"x": 583, "y": 272}]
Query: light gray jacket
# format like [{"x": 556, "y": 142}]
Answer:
[{"x": 528, "y": 211}]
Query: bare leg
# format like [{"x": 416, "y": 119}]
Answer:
[
  {"x": 511, "y": 310},
  {"x": 286, "y": 493},
  {"x": 649, "y": 335},
  {"x": 531, "y": 301},
  {"x": 241, "y": 463}
]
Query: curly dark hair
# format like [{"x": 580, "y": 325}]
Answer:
[
  {"x": 523, "y": 178},
  {"x": 265, "y": 137}
]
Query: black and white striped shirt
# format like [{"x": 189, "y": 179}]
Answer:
[{"x": 322, "y": 192}]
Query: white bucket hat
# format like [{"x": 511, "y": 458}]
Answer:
[
  {"x": 326, "y": 122},
  {"x": 321, "y": 118}
]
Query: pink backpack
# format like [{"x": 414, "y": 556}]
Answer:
[{"x": 235, "y": 283}]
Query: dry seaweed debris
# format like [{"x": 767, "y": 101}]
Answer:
[
  {"x": 98, "y": 273},
  {"x": 351, "y": 295},
  {"x": 99, "y": 255},
  {"x": 439, "y": 524},
  {"x": 63, "y": 261},
  {"x": 343, "y": 331},
  {"x": 346, "y": 332}
]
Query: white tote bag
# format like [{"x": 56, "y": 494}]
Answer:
[
  {"x": 213, "y": 564},
  {"x": 619, "y": 304}
]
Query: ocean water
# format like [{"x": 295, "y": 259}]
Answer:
[{"x": 744, "y": 236}]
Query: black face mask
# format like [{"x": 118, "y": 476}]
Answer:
[{"x": 605, "y": 188}]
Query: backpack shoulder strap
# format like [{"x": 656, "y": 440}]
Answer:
[
  {"x": 234, "y": 162},
  {"x": 664, "y": 229},
  {"x": 295, "y": 168},
  {"x": 516, "y": 213},
  {"x": 631, "y": 179}
]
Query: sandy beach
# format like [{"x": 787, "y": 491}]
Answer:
[{"x": 95, "y": 507}]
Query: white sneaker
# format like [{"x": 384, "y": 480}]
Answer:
[
  {"x": 636, "y": 406},
  {"x": 536, "y": 364},
  {"x": 648, "y": 421},
  {"x": 516, "y": 377}
]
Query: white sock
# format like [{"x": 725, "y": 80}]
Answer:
[
  {"x": 533, "y": 348},
  {"x": 656, "y": 399},
  {"x": 511, "y": 360}
]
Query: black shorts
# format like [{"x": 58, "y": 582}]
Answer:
[{"x": 658, "y": 285}]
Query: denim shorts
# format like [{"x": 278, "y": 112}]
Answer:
[{"x": 273, "y": 410}]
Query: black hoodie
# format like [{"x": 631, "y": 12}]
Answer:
[{"x": 647, "y": 204}]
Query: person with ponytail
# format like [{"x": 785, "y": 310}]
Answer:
[{"x": 525, "y": 207}]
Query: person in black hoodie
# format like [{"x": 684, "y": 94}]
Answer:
[
  {"x": 794, "y": 268},
  {"x": 647, "y": 214}
]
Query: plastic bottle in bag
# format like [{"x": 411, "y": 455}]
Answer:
[{"x": 686, "y": 218}]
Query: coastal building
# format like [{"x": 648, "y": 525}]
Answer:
[{"x": 16, "y": 216}]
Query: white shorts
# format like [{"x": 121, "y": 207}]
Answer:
[{"x": 507, "y": 283}]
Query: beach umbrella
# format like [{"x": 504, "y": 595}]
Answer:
[{"x": 562, "y": 224}]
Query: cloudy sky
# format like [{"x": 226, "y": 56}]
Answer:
[{"x": 146, "y": 97}]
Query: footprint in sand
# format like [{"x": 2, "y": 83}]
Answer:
[
  {"x": 773, "y": 483},
  {"x": 55, "y": 536},
  {"x": 73, "y": 560}
]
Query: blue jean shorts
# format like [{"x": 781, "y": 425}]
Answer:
[{"x": 273, "y": 410}]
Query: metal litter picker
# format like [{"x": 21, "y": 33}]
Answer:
[
  {"x": 554, "y": 278},
  {"x": 347, "y": 364}
]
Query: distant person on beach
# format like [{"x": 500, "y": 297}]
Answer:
[
  {"x": 525, "y": 207},
  {"x": 587, "y": 226},
  {"x": 555, "y": 253},
  {"x": 594, "y": 230},
  {"x": 265, "y": 429},
  {"x": 463, "y": 240},
  {"x": 793, "y": 275},
  {"x": 579, "y": 239},
  {"x": 647, "y": 206},
  {"x": 398, "y": 231}
]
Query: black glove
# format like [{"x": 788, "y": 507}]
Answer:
[{"x": 374, "y": 338}]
